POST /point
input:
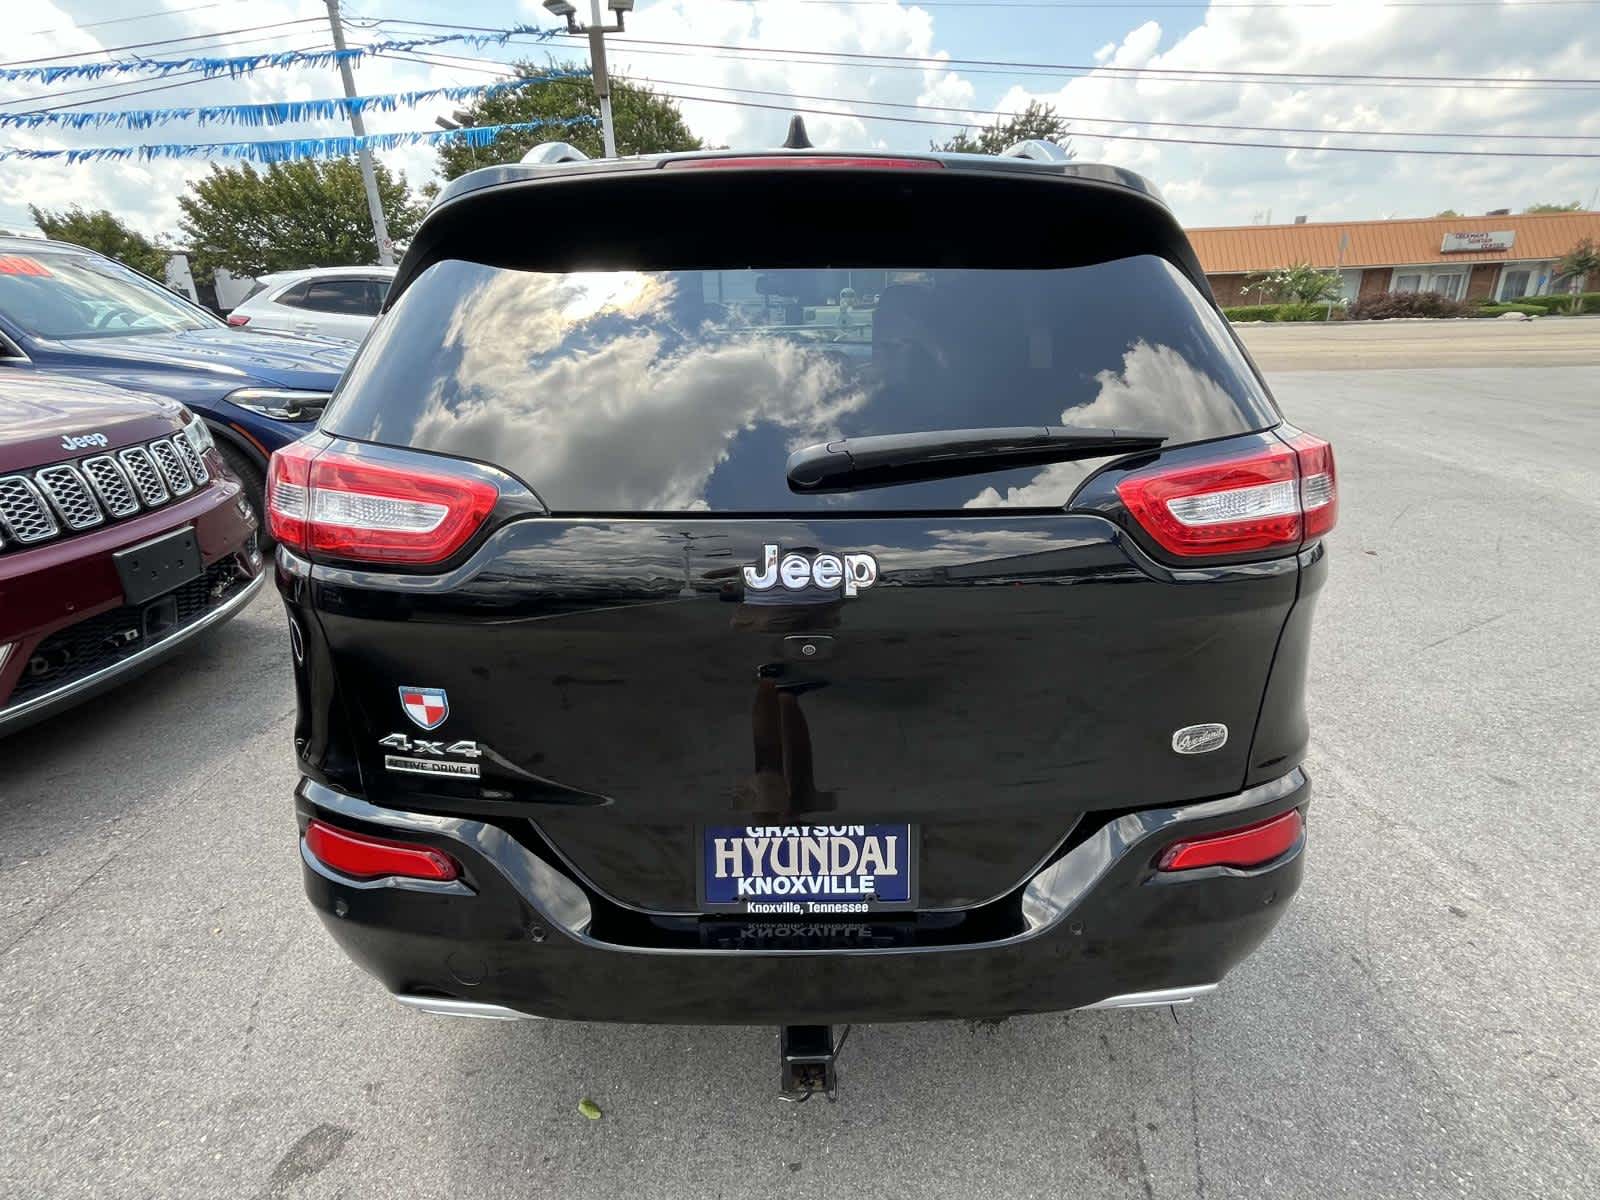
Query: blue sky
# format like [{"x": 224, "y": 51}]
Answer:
[{"x": 1206, "y": 184}]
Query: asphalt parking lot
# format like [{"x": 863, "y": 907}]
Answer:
[{"x": 174, "y": 1022}]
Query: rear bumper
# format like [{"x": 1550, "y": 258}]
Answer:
[{"x": 1102, "y": 929}]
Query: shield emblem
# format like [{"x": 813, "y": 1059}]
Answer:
[{"x": 427, "y": 707}]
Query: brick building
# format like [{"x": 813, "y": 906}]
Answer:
[{"x": 1498, "y": 257}]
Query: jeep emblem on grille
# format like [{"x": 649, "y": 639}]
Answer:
[
  {"x": 84, "y": 440},
  {"x": 826, "y": 571}
]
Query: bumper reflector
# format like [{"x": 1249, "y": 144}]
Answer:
[
  {"x": 1252, "y": 846},
  {"x": 363, "y": 857}
]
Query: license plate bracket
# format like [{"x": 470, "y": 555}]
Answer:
[
  {"x": 808, "y": 870},
  {"x": 158, "y": 566}
]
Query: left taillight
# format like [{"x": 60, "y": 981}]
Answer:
[
  {"x": 343, "y": 506},
  {"x": 238, "y": 320},
  {"x": 1275, "y": 498},
  {"x": 364, "y": 857}
]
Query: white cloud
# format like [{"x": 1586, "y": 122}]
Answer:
[
  {"x": 1213, "y": 185},
  {"x": 1207, "y": 185}
]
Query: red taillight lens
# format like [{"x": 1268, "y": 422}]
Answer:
[
  {"x": 366, "y": 511},
  {"x": 1319, "y": 483},
  {"x": 1275, "y": 498},
  {"x": 363, "y": 857},
  {"x": 289, "y": 493},
  {"x": 790, "y": 161},
  {"x": 238, "y": 320},
  {"x": 1252, "y": 846}
]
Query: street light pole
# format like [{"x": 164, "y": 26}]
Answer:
[
  {"x": 369, "y": 178},
  {"x": 596, "y": 32}
]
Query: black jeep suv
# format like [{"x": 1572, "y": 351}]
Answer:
[{"x": 801, "y": 588}]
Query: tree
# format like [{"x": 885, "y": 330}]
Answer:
[
  {"x": 103, "y": 232},
  {"x": 1037, "y": 121},
  {"x": 1574, "y": 206},
  {"x": 1301, "y": 283},
  {"x": 1449, "y": 212},
  {"x": 291, "y": 215},
  {"x": 1583, "y": 260},
  {"x": 645, "y": 122}
]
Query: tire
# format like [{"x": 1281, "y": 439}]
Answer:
[{"x": 254, "y": 483}]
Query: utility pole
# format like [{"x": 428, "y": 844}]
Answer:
[
  {"x": 380, "y": 228},
  {"x": 596, "y": 32}
]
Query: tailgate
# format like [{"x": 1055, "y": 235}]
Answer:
[{"x": 1003, "y": 676}]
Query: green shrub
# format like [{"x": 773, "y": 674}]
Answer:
[
  {"x": 1408, "y": 304},
  {"x": 1292, "y": 311},
  {"x": 1307, "y": 311},
  {"x": 1499, "y": 310},
  {"x": 1251, "y": 312},
  {"x": 1586, "y": 302}
]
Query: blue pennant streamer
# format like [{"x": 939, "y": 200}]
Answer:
[
  {"x": 271, "y": 152},
  {"x": 245, "y": 63},
  {"x": 286, "y": 113}
]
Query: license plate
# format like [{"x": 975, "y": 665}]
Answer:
[
  {"x": 807, "y": 870},
  {"x": 154, "y": 568}
]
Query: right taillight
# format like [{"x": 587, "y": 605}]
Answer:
[
  {"x": 354, "y": 508},
  {"x": 1319, "y": 484},
  {"x": 1253, "y": 846},
  {"x": 1275, "y": 498}
]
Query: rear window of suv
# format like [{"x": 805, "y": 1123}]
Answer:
[{"x": 623, "y": 391}]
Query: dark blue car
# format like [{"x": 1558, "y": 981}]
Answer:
[{"x": 69, "y": 311}]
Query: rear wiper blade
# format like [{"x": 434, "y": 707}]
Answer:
[{"x": 855, "y": 464}]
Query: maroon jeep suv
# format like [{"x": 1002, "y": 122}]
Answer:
[{"x": 122, "y": 535}]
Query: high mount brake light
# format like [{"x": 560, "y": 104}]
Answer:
[
  {"x": 363, "y": 857},
  {"x": 353, "y": 508},
  {"x": 1276, "y": 498},
  {"x": 1253, "y": 846},
  {"x": 790, "y": 161}
]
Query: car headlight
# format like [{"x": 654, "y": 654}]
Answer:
[{"x": 287, "y": 404}]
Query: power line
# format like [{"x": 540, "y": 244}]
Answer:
[
  {"x": 989, "y": 114},
  {"x": 1010, "y": 67},
  {"x": 113, "y": 94},
  {"x": 1119, "y": 137},
  {"x": 1158, "y": 72},
  {"x": 223, "y": 34},
  {"x": 165, "y": 12},
  {"x": 1067, "y": 5}
]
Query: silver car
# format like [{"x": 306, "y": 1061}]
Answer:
[{"x": 332, "y": 301}]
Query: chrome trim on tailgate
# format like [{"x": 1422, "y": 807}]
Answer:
[{"x": 34, "y": 708}]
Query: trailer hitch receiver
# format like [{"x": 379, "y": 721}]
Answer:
[{"x": 808, "y": 1062}]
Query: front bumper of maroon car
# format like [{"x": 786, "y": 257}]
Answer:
[{"x": 66, "y": 632}]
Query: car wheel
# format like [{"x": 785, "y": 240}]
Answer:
[{"x": 248, "y": 474}]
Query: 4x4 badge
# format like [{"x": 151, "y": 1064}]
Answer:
[{"x": 427, "y": 707}]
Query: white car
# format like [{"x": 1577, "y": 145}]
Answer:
[{"x": 332, "y": 301}]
